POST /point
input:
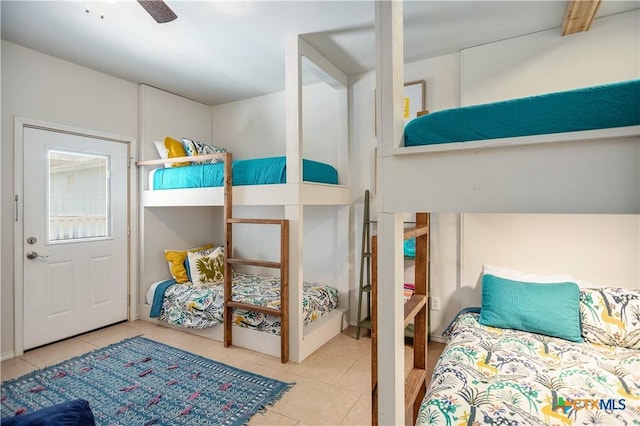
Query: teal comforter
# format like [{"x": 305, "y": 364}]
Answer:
[
  {"x": 256, "y": 171},
  {"x": 590, "y": 108}
]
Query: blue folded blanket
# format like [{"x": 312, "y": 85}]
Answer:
[{"x": 158, "y": 298}]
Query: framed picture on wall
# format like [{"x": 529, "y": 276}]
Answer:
[{"x": 415, "y": 94}]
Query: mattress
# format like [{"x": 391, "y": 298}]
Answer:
[
  {"x": 198, "y": 307},
  {"x": 590, "y": 108},
  {"x": 501, "y": 376},
  {"x": 256, "y": 171}
]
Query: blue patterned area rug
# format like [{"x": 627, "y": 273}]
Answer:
[{"x": 142, "y": 382}]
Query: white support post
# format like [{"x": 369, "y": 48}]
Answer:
[
  {"x": 390, "y": 75},
  {"x": 390, "y": 319},
  {"x": 343, "y": 147},
  {"x": 294, "y": 213},
  {"x": 293, "y": 90},
  {"x": 390, "y": 122}
]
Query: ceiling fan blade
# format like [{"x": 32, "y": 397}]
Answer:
[{"x": 158, "y": 10}]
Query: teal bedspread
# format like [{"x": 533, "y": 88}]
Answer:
[
  {"x": 257, "y": 171},
  {"x": 590, "y": 108}
]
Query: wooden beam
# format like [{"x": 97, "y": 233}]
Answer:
[
  {"x": 220, "y": 156},
  {"x": 579, "y": 16}
]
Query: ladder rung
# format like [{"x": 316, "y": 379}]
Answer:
[
  {"x": 416, "y": 303},
  {"x": 250, "y": 307},
  {"x": 414, "y": 383},
  {"x": 366, "y": 288},
  {"x": 366, "y": 254},
  {"x": 415, "y": 232},
  {"x": 256, "y": 221},
  {"x": 249, "y": 262}
]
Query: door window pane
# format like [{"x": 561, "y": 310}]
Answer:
[{"x": 78, "y": 196}]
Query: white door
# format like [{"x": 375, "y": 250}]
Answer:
[{"x": 75, "y": 263}]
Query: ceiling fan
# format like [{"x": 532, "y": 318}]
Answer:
[{"x": 158, "y": 10}]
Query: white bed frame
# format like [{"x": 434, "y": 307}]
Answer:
[
  {"x": 315, "y": 334},
  {"x": 294, "y": 196},
  {"x": 580, "y": 172},
  {"x": 306, "y": 193}
]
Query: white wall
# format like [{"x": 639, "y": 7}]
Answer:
[
  {"x": 546, "y": 62},
  {"x": 165, "y": 114},
  {"x": 252, "y": 128},
  {"x": 255, "y": 127},
  {"x": 603, "y": 250},
  {"x": 45, "y": 88}
]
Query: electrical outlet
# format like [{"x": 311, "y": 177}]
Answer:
[{"x": 435, "y": 303}]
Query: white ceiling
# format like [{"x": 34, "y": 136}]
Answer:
[{"x": 221, "y": 51}]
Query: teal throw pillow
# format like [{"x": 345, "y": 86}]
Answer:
[{"x": 550, "y": 309}]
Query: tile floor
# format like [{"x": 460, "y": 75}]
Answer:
[{"x": 332, "y": 385}]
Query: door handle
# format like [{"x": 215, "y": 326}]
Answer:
[{"x": 33, "y": 255}]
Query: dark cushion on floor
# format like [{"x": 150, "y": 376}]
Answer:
[{"x": 70, "y": 413}]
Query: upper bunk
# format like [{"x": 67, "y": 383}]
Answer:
[
  {"x": 552, "y": 153},
  {"x": 555, "y": 151},
  {"x": 549, "y": 117},
  {"x": 314, "y": 169},
  {"x": 260, "y": 181}
]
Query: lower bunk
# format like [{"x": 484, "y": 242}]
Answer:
[
  {"x": 199, "y": 310},
  {"x": 491, "y": 375}
]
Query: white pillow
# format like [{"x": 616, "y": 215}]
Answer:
[
  {"x": 163, "y": 152},
  {"x": 589, "y": 284},
  {"x": 514, "y": 275}
]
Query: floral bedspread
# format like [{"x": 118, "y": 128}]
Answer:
[
  {"x": 186, "y": 305},
  {"x": 508, "y": 377}
]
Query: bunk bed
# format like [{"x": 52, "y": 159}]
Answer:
[
  {"x": 252, "y": 301},
  {"x": 567, "y": 171},
  {"x": 295, "y": 184},
  {"x": 202, "y": 184}
]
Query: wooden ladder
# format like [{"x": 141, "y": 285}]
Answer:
[
  {"x": 416, "y": 310},
  {"x": 282, "y": 265}
]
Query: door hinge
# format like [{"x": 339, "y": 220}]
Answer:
[
  {"x": 129, "y": 162},
  {"x": 16, "y": 200},
  {"x": 128, "y": 231}
]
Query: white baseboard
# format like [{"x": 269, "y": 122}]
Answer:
[
  {"x": 7, "y": 355},
  {"x": 439, "y": 339}
]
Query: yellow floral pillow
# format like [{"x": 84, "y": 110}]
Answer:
[
  {"x": 176, "y": 259},
  {"x": 175, "y": 149}
]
